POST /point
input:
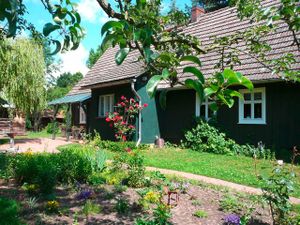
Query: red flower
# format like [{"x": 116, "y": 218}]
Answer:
[
  {"x": 145, "y": 105},
  {"x": 132, "y": 100},
  {"x": 108, "y": 119},
  {"x": 128, "y": 149},
  {"x": 111, "y": 125},
  {"x": 124, "y": 137},
  {"x": 123, "y": 97}
]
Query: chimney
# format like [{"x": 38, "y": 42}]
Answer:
[{"x": 197, "y": 10}]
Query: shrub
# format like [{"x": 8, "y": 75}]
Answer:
[
  {"x": 206, "y": 138},
  {"x": 133, "y": 163},
  {"x": 200, "y": 214},
  {"x": 276, "y": 191},
  {"x": 52, "y": 128},
  {"x": 39, "y": 169},
  {"x": 119, "y": 146},
  {"x": 122, "y": 206},
  {"x": 9, "y": 210},
  {"x": 91, "y": 208},
  {"x": 231, "y": 204}
]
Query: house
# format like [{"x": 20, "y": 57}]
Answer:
[
  {"x": 77, "y": 101},
  {"x": 269, "y": 114}
]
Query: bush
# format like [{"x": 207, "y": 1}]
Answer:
[
  {"x": 52, "y": 128},
  {"x": 206, "y": 138},
  {"x": 9, "y": 210},
  {"x": 119, "y": 146},
  {"x": 39, "y": 169},
  {"x": 73, "y": 164}
]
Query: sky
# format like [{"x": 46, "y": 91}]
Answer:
[{"x": 93, "y": 19}]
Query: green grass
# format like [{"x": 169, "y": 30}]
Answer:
[{"x": 237, "y": 169}]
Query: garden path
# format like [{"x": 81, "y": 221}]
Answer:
[
  {"x": 218, "y": 182},
  {"x": 37, "y": 144}
]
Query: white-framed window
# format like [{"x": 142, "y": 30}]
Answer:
[
  {"x": 252, "y": 108},
  {"x": 203, "y": 110},
  {"x": 105, "y": 105},
  {"x": 82, "y": 115}
]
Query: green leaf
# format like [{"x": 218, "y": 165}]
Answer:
[
  {"x": 247, "y": 83},
  {"x": 165, "y": 74},
  {"x": 233, "y": 93},
  {"x": 163, "y": 98},
  {"x": 191, "y": 58},
  {"x": 49, "y": 27},
  {"x": 121, "y": 55},
  {"x": 214, "y": 106},
  {"x": 209, "y": 91},
  {"x": 195, "y": 71},
  {"x": 148, "y": 52},
  {"x": 57, "y": 48},
  {"x": 110, "y": 24},
  {"x": 197, "y": 86},
  {"x": 152, "y": 85}
]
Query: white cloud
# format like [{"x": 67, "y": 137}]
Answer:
[
  {"x": 88, "y": 9},
  {"x": 74, "y": 61}
]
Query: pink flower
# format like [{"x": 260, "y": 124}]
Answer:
[
  {"x": 145, "y": 105},
  {"x": 128, "y": 149},
  {"x": 108, "y": 119},
  {"x": 123, "y": 97},
  {"x": 124, "y": 137}
]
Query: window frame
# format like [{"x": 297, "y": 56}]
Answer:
[
  {"x": 198, "y": 107},
  {"x": 111, "y": 96},
  {"x": 252, "y": 120},
  {"x": 81, "y": 121}
]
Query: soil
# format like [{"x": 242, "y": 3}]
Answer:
[{"x": 196, "y": 198}]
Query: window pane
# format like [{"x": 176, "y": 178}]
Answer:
[
  {"x": 257, "y": 96},
  {"x": 102, "y": 106},
  {"x": 247, "y": 111},
  {"x": 247, "y": 97},
  {"x": 257, "y": 110},
  {"x": 202, "y": 111},
  {"x": 111, "y": 109},
  {"x": 107, "y": 103}
]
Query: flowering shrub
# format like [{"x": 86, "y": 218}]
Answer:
[
  {"x": 232, "y": 219},
  {"x": 123, "y": 118},
  {"x": 52, "y": 206},
  {"x": 85, "y": 194}
]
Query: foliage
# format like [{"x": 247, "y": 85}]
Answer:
[
  {"x": 276, "y": 191},
  {"x": 9, "y": 210},
  {"x": 90, "y": 208},
  {"x": 52, "y": 206},
  {"x": 52, "y": 128},
  {"x": 123, "y": 118},
  {"x": 22, "y": 73},
  {"x": 37, "y": 169},
  {"x": 231, "y": 204},
  {"x": 122, "y": 206},
  {"x": 119, "y": 146},
  {"x": 207, "y": 138},
  {"x": 135, "y": 169},
  {"x": 200, "y": 214},
  {"x": 94, "y": 55}
]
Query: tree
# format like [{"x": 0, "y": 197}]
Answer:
[
  {"x": 22, "y": 74},
  {"x": 94, "y": 55},
  {"x": 63, "y": 84},
  {"x": 139, "y": 26}
]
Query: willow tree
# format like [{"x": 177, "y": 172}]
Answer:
[{"x": 22, "y": 74}]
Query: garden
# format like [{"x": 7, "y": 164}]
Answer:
[{"x": 105, "y": 182}]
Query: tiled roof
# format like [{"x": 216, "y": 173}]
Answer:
[
  {"x": 219, "y": 23},
  {"x": 77, "y": 89}
]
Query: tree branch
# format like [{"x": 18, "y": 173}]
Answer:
[{"x": 108, "y": 10}]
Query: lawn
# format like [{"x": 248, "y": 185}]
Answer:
[{"x": 237, "y": 169}]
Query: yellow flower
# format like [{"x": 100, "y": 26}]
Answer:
[
  {"x": 152, "y": 197},
  {"x": 52, "y": 205}
]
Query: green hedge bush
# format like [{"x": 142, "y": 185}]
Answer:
[
  {"x": 73, "y": 164},
  {"x": 206, "y": 138}
]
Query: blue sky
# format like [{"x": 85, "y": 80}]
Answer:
[{"x": 92, "y": 20}]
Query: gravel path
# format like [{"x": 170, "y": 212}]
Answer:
[
  {"x": 36, "y": 145},
  {"x": 218, "y": 182}
]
